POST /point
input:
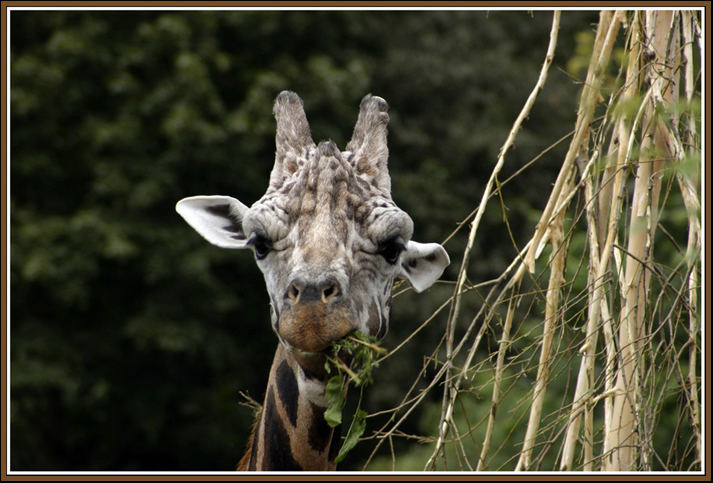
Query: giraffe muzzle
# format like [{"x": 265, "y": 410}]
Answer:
[{"x": 315, "y": 314}]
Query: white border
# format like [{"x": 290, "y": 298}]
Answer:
[
  {"x": 7, "y": 239},
  {"x": 702, "y": 321}
]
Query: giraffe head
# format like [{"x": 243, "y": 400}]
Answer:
[{"x": 326, "y": 234}]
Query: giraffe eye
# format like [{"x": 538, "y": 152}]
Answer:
[
  {"x": 391, "y": 249},
  {"x": 261, "y": 245}
]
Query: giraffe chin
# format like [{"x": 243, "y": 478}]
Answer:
[{"x": 314, "y": 363}]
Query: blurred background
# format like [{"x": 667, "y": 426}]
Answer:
[{"x": 131, "y": 337}]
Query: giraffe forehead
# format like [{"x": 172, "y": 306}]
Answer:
[
  {"x": 326, "y": 181},
  {"x": 323, "y": 197},
  {"x": 331, "y": 198}
]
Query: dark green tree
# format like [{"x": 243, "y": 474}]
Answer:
[{"x": 130, "y": 336}]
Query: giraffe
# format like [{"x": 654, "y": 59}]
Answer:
[{"x": 329, "y": 241}]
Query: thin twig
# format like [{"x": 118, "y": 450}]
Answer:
[
  {"x": 603, "y": 44},
  {"x": 495, "y": 400},
  {"x": 456, "y": 307},
  {"x": 557, "y": 265}
]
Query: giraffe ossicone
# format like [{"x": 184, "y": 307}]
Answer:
[{"x": 330, "y": 241}]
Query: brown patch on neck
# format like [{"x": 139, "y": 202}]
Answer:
[
  {"x": 247, "y": 462},
  {"x": 312, "y": 365},
  {"x": 290, "y": 433}
]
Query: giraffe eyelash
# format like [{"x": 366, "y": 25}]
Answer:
[
  {"x": 391, "y": 249},
  {"x": 261, "y": 245}
]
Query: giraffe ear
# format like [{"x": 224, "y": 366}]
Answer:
[
  {"x": 218, "y": 219},
  {"x": 368, "y": 144},
  {"x": 423, "y": 263}
]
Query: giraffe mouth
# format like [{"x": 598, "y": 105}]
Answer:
[
  {"x": 343, "y": 354},
  {"x": 311, "y": 328},
  {"x": 315, "y": 363}
]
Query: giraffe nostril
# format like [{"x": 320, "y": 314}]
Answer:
[
  {"x": 330, "y": 291},
  {"x": 293, "y": 293},
  {"x": 300, "y": 292}
]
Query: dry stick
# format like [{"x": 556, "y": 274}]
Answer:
[
  {"x": 665, "y": 94},
  {"x": 447, "y": 411},
  {"x": 693, "y": 237},
  {"x": 603, "y": 43},
  {"x": 459, "y": 440},
  {"x": 495, "y": 283},
  {"x": 596, "y": 232},
  {"x": 413, "y": 333},
  {"x": 624, "y": 156},
  {"x": 414, "y": 405},
  {"x": 668, "y": 37},
  {"x": 592, "y": 234},
  {"x": 557, "y": 265},
  {"x": 605, "y": 194},
  {"x": 669, "y": 141},
  {"x": 558, "y": 200},
  {"x": 625, "y": 138},
  {"x": 623, "y": 436},
  {"x": 598, "y": 306},
  {"x": 609, "y": 367},
  {"x": 689, "y": 75},
  {"x": 589, "y": 347},
  {"x": 598, "y": 223},
  {"x": 484, "y": 326},
  {"x": 495, "y": 400},
  {"x": 599, "y": 266}
]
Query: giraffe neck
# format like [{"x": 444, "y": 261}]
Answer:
[{"x": 291, "y": 433}]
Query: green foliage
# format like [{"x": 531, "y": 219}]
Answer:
[
  {"x": 359, "y": 350},
  {"x": 334, "y": 393},
  {"x": 577, "y": 64},
  {"x": 356, "y": 429}
]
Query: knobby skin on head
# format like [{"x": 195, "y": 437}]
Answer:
[{"x": 329, "y": 241}]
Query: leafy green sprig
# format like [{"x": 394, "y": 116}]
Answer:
[{"x": 360, "y": 350}]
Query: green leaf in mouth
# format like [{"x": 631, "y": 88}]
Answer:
[{"x": 360, "y": 351}]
